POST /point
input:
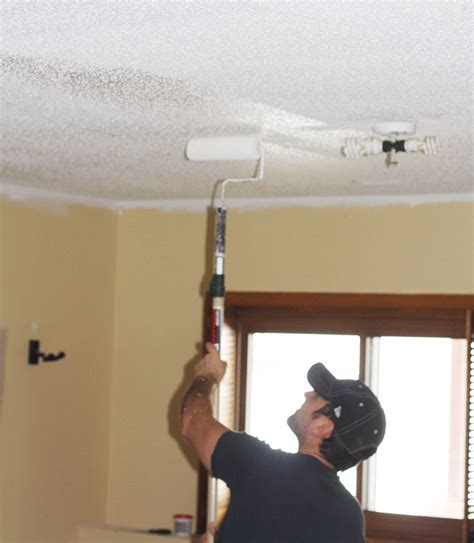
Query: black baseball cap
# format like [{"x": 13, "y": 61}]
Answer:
[{"x": 359, "y": 420}]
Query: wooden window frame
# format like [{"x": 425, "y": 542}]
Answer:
[{"x": 382, "y": 314}]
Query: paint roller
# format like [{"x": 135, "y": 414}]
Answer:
[{"x": 210, "y": 149}]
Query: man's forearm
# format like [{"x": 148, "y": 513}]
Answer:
[{"x": 197, "y": 403}]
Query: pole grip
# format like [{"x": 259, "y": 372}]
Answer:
[{"x": 221, "y": 215}]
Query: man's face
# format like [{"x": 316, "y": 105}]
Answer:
[{"x": 301, "y": 419}]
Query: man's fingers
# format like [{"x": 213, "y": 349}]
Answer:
[{"x": 211, "y": 348}]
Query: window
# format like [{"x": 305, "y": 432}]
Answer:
[
  {"x": 421, "y": 385},
  {"x": 381, "y": 339}
]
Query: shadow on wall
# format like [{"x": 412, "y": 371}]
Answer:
[{"x": 175, "y": 408}]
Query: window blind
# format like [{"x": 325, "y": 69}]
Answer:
[{"x": 470, "y": 444}]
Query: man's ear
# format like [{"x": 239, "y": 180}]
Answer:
[{"x": 322, "y": 428}]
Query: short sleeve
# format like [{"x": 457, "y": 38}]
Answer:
[{"x": 236, "y": 456}]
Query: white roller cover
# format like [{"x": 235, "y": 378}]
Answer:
[{"x": 224, "y": 148}]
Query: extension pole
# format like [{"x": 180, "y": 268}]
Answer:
[{"x": 217, "y": 294}]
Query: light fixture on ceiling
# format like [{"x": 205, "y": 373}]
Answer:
[{"x": 391, "y": 142}]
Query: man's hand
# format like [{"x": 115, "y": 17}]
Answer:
[{"x": 211, "y": 366}]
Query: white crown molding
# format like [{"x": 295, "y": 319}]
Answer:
[
  {"x": 29, "y": 194},
  {"x": 299, "y": 201},
  {"x": 25, "y": 194}
]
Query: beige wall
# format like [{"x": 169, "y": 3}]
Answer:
[
  {"x": 58, "y": 269},
  {"x": 90, "y": 276},
  {"x": 161, "y": 262},
  {"x": 422, "y": 249},
  {"x": 3, "y": 335}
]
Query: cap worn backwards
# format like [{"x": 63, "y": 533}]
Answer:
[{"x": 359, "y": 420}]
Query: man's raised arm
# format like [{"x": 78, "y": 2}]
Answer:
[{"x": 197, "y": 421}]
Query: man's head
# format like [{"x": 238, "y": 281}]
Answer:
[{"x": 349, "y": 412}]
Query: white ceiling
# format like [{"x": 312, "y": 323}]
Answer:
[{"x": 100, "y": 98}]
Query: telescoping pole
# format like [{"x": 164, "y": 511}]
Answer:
[{"x": 217, "y": 294}]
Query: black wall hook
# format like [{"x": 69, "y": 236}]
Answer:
[{"x": 34, "y": 354}]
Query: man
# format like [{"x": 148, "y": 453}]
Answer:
[{"x": 279, "y": 497}]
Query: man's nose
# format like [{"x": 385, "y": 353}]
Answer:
[{"x": 310, "y": 394}]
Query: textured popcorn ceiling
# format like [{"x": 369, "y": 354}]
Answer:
[{"x": 100, "y": 98}]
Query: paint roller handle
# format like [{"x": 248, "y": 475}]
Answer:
[{"x": 217, "y": 287}]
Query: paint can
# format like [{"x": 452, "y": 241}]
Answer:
[{"x": 182, "y": 525}]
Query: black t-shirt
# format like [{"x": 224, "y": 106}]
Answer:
[{"x": 279, "y": 497}]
